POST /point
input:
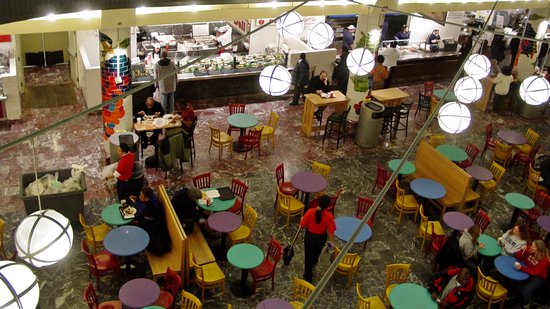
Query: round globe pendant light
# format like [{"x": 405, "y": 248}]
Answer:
[
  {"x": 534, "y": 90},
  {"x": 290, "y": 25},
  {"x": 275, "y": 80},
  {"x": 19, "y": 287},
  {"x": 43, "y": 238},
  {"x": 454, "y": 117},
  {"x": 320, "y": 36},
  {"x": 468, "y": 89},
  {"x": 477, "y": 66},
  {"x": 360, "y": 61}
]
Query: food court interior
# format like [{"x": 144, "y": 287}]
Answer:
[{"x": 353, "y": 172}]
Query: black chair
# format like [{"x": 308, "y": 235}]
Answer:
[
  {"x": 424, "y": 103},
  {"x": 337, "y": 121},
  {"x": 403, "y": 117},
  {"x": 389, "y": 118},
  {"x": 190, "y": 140}
]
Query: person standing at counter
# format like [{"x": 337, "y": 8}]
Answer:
[
  {"x": 391, "y": 55},
  {"x": 154, "y": 56},
  {"x": 167, "y": 86},
  {"x": 379, "y": 73},
  {"x": 433, "y": 40},
  {"x": 502, "y": 86},
  {"x": 341, "y": 72},
  {"x": 404, "y": 34},
  {"x": 300, "y": 76},
  {"x": 348, "y": 37},
  {"x": 225, "y": 38}
]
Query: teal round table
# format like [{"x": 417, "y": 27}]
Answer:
[
  {"x": 491, "y": 245},
  {"x": 519, "y": 202},
  {"x": 449, "y": 97},
  {"x": 217, "y": 204},
  {"x": 452, "y": 152},
  {"x": 111, "y": 215},
  {"x": 407, "y": 168},
  {"x": 245, "y": 257},
  {"x": 153, "y": 307},
  {"x": 410, "y": 295},
  {"x": 241, "y": 121}
]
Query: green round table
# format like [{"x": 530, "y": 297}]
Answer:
[
  {"x": 407, "y": 168},
  {"x": 452, "y": 152},
  {"x": 491, "y": 245},
  {"x": 410, "y": 295},
  {"x": 519, "y": 202},
  {"x": 245, "y": 257},
  {"x": 153, "y": 307},
  {"x": 217, "y": 204},
  {"x": 111, "y": 215},
  {"x": 449, "y": 97}
]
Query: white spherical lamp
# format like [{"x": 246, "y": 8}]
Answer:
[
  {"x": 19, "y": 287},
  {"x": 275, "y": 80},
  {"x": 454, "y": 117},
  {"x": 468, "y": 90},
  {"x": 320, "y": 36},
  {"x": 477, "y": 66},
  {"x": 290, "y": 25},
  {"x": 534, "y": 90},
  {"x": 360, "y": 61},
  {"x": 43, "y": 238}
]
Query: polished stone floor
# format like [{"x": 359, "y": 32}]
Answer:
[{"x": 353, "y": 168}]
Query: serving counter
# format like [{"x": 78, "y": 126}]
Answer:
[{"x": 420, "y": 66}]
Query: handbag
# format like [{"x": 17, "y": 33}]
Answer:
[{"x": 156, "y": 95}]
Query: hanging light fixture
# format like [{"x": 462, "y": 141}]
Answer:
[
  {"x": 19, "y": 287},
  {"x": 290, "y": 25},
  {"x": 320, "y": 36},
  {"x": 534, "y": 90},
  {"x": 360, "y": 61},
  {"x": 477, "y": 66},
  {"x": 468, "y": 90},
  {"x": 275, "y": 80},
  {"x": 454, "y": 117}
]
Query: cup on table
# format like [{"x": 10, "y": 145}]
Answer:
[{"x": 138, "y": 119}]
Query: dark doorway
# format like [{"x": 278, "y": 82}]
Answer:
[{"x": 392, "y": 25}]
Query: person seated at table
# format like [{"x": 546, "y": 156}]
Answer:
[
  {"x": 537, "y": 260},
  {"x": 544, "y": 167},
  {"x": 148, "y": 108},
  {"x": 379, "y": 73},
  {"x": 187, "y": 114},
  {"x": 149, "y": 211},
  {"x": 514, "y": 240},
  {"x": 187, "y": 210},
  {"x": 319, "y": 84},
  {"x": 469, "y": 246},
  {"x": 452, "y": 288}
]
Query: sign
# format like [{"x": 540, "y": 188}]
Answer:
[
  {"x": 5, "y": 38},
  {"x": 242, "y": 25}
]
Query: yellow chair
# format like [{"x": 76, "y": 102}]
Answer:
[
  {"x": 94, "y": 234},
  {"x": 301, "y": 290},
  {"x": 404, "y": 203},
  {"x": 489, "y": 290},
  {"x": 532, "y": 138},
  {"x": 502, "y": 153},
  {"x": 349, "y": 264},
  {"x": 288, "y": 206},
  {"x": 220, "y": 139},
  {"x": 229, "y": 306},
  {"x": 3, "y": 255},
  {"x": 320, "y": 168},
  {"x": 436, "y": 140},
  {"x": 373, "y": 302},
  {"x": 208, "y": 276},
  {"x": 425, "y": 228},
  {"x": 489, "y": 186},
  {"x": 532, "y": 182},
  {"x": 395, "y": 274},
  {"x": 268, "y": 132},
  {"x": 242, "y": 234},
  {"x": 190, "y": 301}
]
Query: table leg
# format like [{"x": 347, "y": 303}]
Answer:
[
  {"x": 306, "y": 199},
  {"x": 515, "y": 216},
  {"x": 475, "y": 184},
  {"x": 242, "y": 288},
  {"x": 224, "y": 236}
]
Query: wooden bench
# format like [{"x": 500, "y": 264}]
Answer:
[
  {"x": 430, "y": 163},
  {"x": 196, "y": 244}
]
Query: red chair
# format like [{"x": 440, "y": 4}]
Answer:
[
  {"x": 363, "y": 205},
  {"x": 438, "y": 241},
  {"x": 526, "y": 159},
  {"x": 239, "y": 189},
  {"x": 489, "y": 140},
  {"x": 100, "y": 263},
  {"x": 235, "y": 109},
  {"x": 332, "y": 204},
  {"x": 172, "y": 285},
  {"x": 542, "y": 200},
  {"x": 382, "y": 177},
  {"x": 482, "y": 219},
  {"x": 471, "y": 151},
  {"x": 251, "y": 140},
  {"x": 90, "y": 297},
  {"x": 284, "y": 186},
  {"x": 428, "y": 88},
  {"x": 268, "y": 267},
  {"x": 202, "y": 181}
]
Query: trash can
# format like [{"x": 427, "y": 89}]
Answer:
[
  {"x": 369, "y": 125},
  {"x": 137, "y": 178},
  {"x": 129, "y": 138},
  {"x": 531, "y": 111}
]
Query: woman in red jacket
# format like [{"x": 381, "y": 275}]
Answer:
[
  {"x": 537, "y": 260},
  {"x": 124, "y": 171}
]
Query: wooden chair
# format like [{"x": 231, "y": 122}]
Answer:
[
  {"x": 243, "y": 233},
  {"x": 94, "y": 234},
  {"x": 220, "y": 139},
  {"x": 424, "y": 103},
  {"x": 202, "y": 181},
  {"x": 471, "y": 151},
  {"x": 100, "y": 263},
  {"x": 267, "y": 269},
  {"x": 90, "y": 297},
  {"x": 285, "y": 186},
  {"x": 428, "y": 88},
  {"x": 235, "y": 109},
  {"x": 542, "y": 202},
  {"x": 251, "y": 140},
  {"x": 373, "y": 302},
  {"x": 3, "y": 255},
  {"x": 502, "y": 153},
  {"x": 395, "y": 274},
  {"x": 301, "y": 290},
  {"x": 427, "y": 228},
  {"x": 288, "y": 206},
  {"x": 532, "y": 138},
  {"x": 172, "y": 285},
  {"x": 404, "y": 203},
  {"x": 382, "y": 177},
  {"x": 208, "y": 276},
  {"x": 482, "y": 220},
  {"x": 438, "y": 241},
  {"x": 526, "y": 159},
  {"x": 489, "y": 290},
  {"x": 239, "y": 189},
  {"x": 436, "y": 140},
  {"x": 190, "y": 301},
  {"x": 532, "y": 183},
  {"x": 349, "y": 265},
  {"x": 363, "y": 206},
  {"x": 320, "y": 168},
  {"x": 489, "y": 186},
  {"x": 337, "y": 121},
  {"x": 489, "y": 140},
  {"x": 332, "y": 204},
  {"x": 268, "y": 131}
]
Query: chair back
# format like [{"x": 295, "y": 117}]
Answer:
[
  {"x": 301, "y": 289},
  {"x": 486, "y": 283},
  {"x": 399, "y": 193},
  {"x": 436, "y": 140},
  {"x": 397, "y": 273},
  {"x": 90, "y": 296},
  {"x": 532, "y": 137},
  {"x": 405, "y": 109},
  {"x": 280, "y": 173},
  {"x": 274, "y": 253},
  {"x": 381, "y": 175},
  {"x": 334, "y": 199},
  {"x": 428, "y": 88},
  {"x": 283, "y": 200},
  {"x": 236, "y": 108},
  {"x": 438, "y": 241},
  {"x": 502, "y": 152},
  {"x": 239, "y": 188},
  {"x": 488, "y": 132},
  {"x": 348, "y": 260},
  {"x": 215, "y": 134},
  {"x": 497, "y": 170},
  {"x": 89, "y": 256},
  {"x": 472, "y": 151},
  {"x": 363, "y": 206},
  {"x": 320, "y": 168},
  {"x": 362, "y": 302},
  {"x": 198, "y": 268},
  {"x": 534, "y": 152},
  {"x": 482, "y": 220},
  {"x": 189, "y": 301},
  {"x": 423, "y": 219},
  {"x": 273, "y": 120},
  {"x": 250, "y": 217},
  {"x": 254, "y": 136},
  {"x": 202, "y": 181},
  {"x": 533, "y": 177},
  {"x": 424, "y": 100},
  {"x": 541, "y": 199},
  {"x": 172, "y": 282}
]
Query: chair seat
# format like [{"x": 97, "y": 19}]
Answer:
[
  {"x": 437, "y": 227},
  {"x": 348, "y": 267},
  {"x": 104, "y": 260},
  {"x": 524, "y": 148},
  {"x": 532, "y": 214},
  {"x": 264, "y": 270},
  {"x": 212, "y": 272},
  {"x": 112, "y": 304},
  {"x": 266, "y": 130},
  {"x": 489, "y": 184},
  {"x": 491, "y": 142},
  {"x": 287, "y": 188},
  {"x": 165, "y": 300},
  {"x": 521, "y": 156},
  {"x": 237, "y": 207},
  {"x": 409, "y": 202},
  {"x": 464, "y": 164},
  {"x": 242, "y": 232},
  {"x": 388, "y": 290},
  {"x": 100, "y": 231},
  {"x": 376, "y": 303},
  {"x": 500, "y": 291},
  {"x": 295, "y": 205},
  {"x": 336, "y": 117},
  {"x": 224, "y": 138},
  {"x": 297, "y": 304}
]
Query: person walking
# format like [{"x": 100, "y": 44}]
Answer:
[
  {"x": 167, "y": 86},
  {"x": 348, "y": 37},
  {"x": 318, "y": 223},
  {"x": 341, "y": 72},
  {"x": 300, "y": 78}
]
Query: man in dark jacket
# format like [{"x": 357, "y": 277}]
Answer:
[
  {"x": 148, "y": 108},
  {"x": 452, "y": 288},
  {"x": 341, "y": 72},
  {"x": 319, "y": 84},
  {"x": 300, "y": 77}
]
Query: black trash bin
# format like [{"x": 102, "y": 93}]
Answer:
[{"x": 138, "y": 176}]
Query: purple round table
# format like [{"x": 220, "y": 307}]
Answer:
[
  {"x": 457, "y": 220},
  {"x": 478, "y": 173},
  {"x": 544, "y": 223},
  {"x": 512, "y": 137},
  {"x": 308, "y": 182},
  {"x": 224, "y": 222},
  {"x": 274, "y": 303},
  {"x": 139, "y": 293}
]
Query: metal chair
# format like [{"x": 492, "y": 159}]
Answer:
[
  {"x": 424, "y": 104},
  {"x": 339, "y": 122},
  {"x": 403, "y": 117}
]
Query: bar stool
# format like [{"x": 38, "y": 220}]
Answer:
[
  {"x": 337, "y": 121},
  {"x": 403, "y": 117},
  {"x": 388, "y": 122}
]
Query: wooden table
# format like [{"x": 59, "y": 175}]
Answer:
[
  {"x": 147, "y": 125},
  {"x": 487, "y": 84},
  {"x": 390, "y": 97},
  {"x": 313, "y": 101}
]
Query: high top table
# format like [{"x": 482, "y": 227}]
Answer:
[
  {"x": 138, "y": 293},
  {"x": 410, "y": 295},
  {"x": 519, "y": 202},
  {"x": 512, "y": 137},
  {"x": 308, "y": 182},
  {"x": 452, "y": 152},
  {"x": 244, "y": 256},
  {"x": 243, "y": 122},
  {"x": 314, "y": 101}
]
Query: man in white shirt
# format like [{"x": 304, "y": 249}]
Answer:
[
  {"x": 502, "y": 86},
  {"x": 391, "y": 55}
]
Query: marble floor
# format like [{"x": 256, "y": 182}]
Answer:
[{"x": 353, "y": 168}]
